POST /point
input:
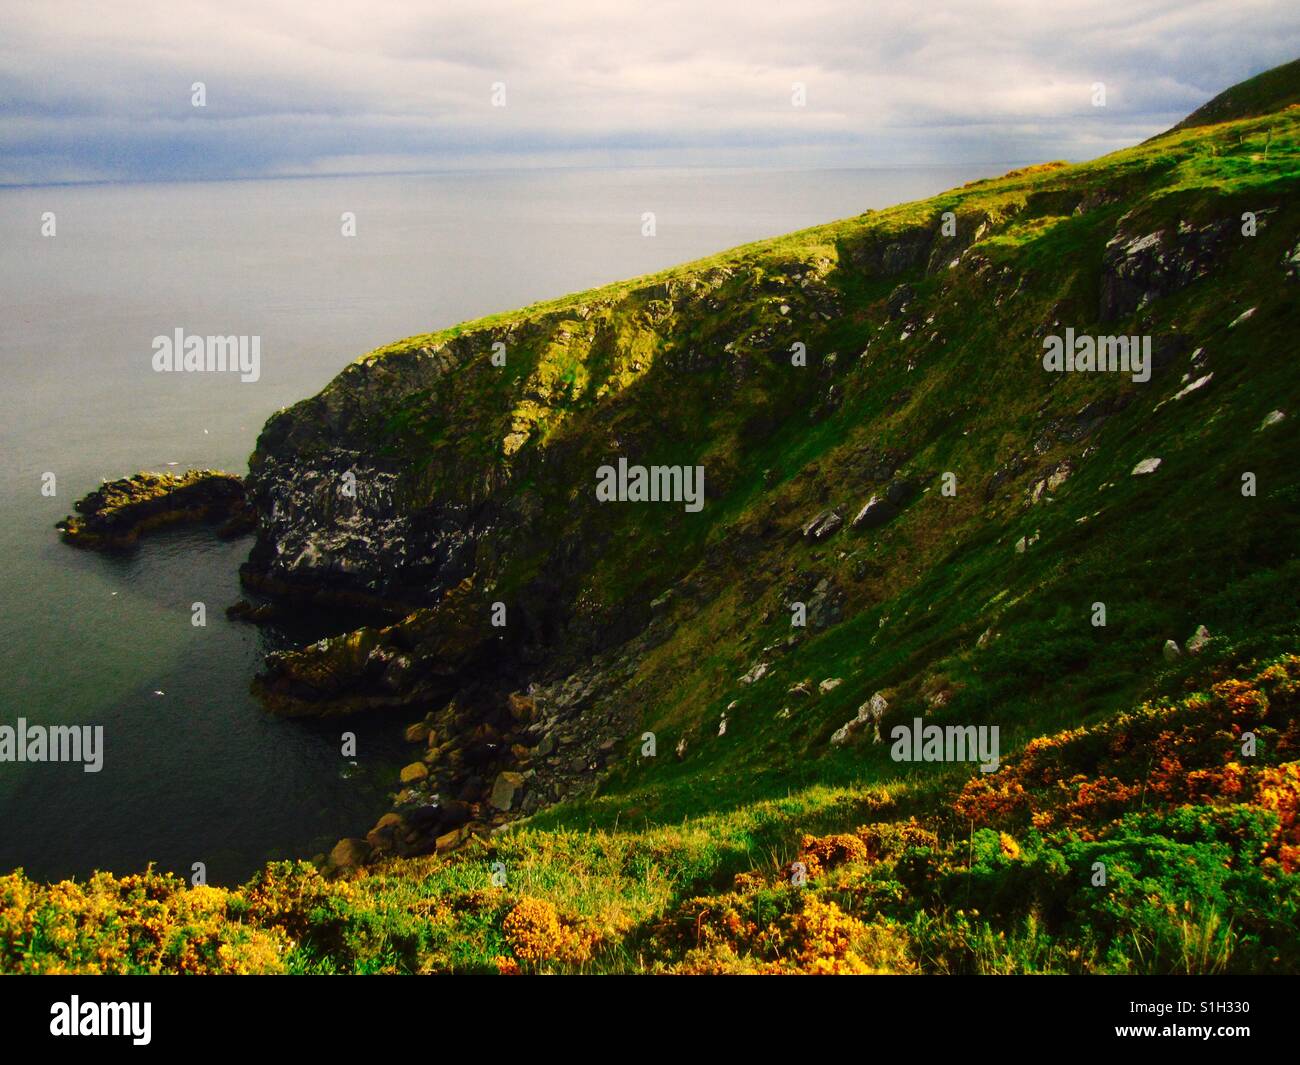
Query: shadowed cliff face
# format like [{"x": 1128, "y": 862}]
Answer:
[{"x": 890, "y": 472}]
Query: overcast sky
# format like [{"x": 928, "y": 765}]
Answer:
[{"x": 102, "y": 91}]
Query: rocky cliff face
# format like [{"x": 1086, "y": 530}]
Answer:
[
  {"x": 335, "y": 516},
  {"x": 869, "y": 404},
  {"x": 114, "y": 516}
]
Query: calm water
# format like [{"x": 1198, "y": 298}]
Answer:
[{"x": 194, "y": 770}]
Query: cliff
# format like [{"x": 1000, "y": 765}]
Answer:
[{"x": 884, "y": 456}]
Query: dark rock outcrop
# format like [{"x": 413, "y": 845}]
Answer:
[
  {"x": 115, "y": 515},
  {"x": 1139, "y": 269}
]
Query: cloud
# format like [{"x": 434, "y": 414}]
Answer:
[{"x": 105, "y": 93}]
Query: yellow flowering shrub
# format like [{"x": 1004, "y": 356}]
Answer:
[
  {"x": 1279, "y": 791},
  {"x": 536, "y": 934},
  {"x": 1184, "y": 752},
  {"x": 287, "y": 894},
  {"x": 887, "y": 839},
  {"x": 818, "y": 853},
  {"x": 816, "y": 938},
  {"x": 147, "y": 923}
]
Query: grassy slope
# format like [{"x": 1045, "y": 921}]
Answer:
[
  {"x": 1267, "y": 92},
  {"x": 643, "y": 361}
]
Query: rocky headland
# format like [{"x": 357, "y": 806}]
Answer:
[{"x": 116, "y": 514}]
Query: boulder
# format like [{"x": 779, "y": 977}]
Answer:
[
  {"x": 876, "y": 511},
  {"x": 899, "y": 492},
  {"x": 825, "y": 607},
  {"x": 423, "y": 815},
  {"x": 414, "y": 773},
  {"x": 349, "y": 853},
  {"x": 899, "y": 300},
  {"x": 1198, "y": 641},
  {"x": 417, "y": 733},
  {"x": 872, "y": 711},
  {"x": 1026, "y": 542},
  {"x": 449, "y": 840},
  {"x": 521, "y": 706},
  {"x": 455, "y": 812},
  {"x": 506, "y": 789},
  {"x": 388, "y": 829},
  {"x": 822, "y": 525},
  {"x": 1146, "y": 466},
  {"x": 1171, "y": 651},
  {"x": 869, "y": 713}
]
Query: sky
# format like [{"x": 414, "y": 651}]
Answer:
[{"x": 94, "y": 91}]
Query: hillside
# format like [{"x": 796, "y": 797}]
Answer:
[
  {"x": 1273, "y": 90},
  {"x": 905, "y": 516}
]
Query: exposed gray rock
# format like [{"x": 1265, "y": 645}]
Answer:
[
  {"x": 870, "y": 714},
  {"x": 1198, "y": 640},
  {"x": 1291, "y": 263},
  {"x": 823, "y": 525},
  {"x": 826, "y": 606},
  {"x": 1137, "y": 269},
  {"x": 658, "y": 606},
  {"x": 899, "y": 300},
  {"x": 899, "y": 492},
  {"x": 1187, "y": 390},
  {"x": 909, "y": 248},
  {"x": 875, "y": 512}
]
